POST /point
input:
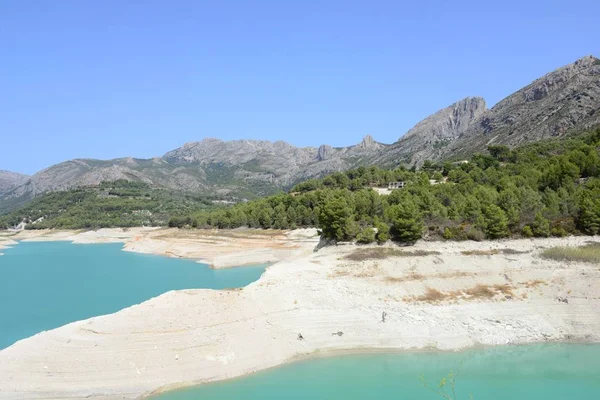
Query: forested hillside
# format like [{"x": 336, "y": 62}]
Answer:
[
  {"x": 120, "y": 203},
  {"x": 542, "y": 189},
  {"x": 548, "y": 188}
]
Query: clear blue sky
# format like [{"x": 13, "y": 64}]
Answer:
[{"x": 108, "y": 79}]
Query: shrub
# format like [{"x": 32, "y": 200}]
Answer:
[
  {"x": 179, "y": 222},
  {"x": 448, "y": 234},
  {"x": 367, "y": 235},
  {"x": 475, "y": 234},
  {"x": 455, "y": 233},
  {"x": 527, "y": 231},
  {"x": 559, "y": 231},
  {"x": 383, "y": 232},
  {"x": 351, "y": 229},
  {"x": 540, "y": 226}
]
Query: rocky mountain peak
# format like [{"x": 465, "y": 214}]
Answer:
[
  {"x": 428, "y": 138},
  {"x": 563, "y": 101},
  {"x": 467, "y": 110},
  {"x": 324, "y": 152},
  {"x": 587, "y": 61},
  {"x": 449, "y": 122},
  {"x": 368, "y": 143},
  {"x": 557, "y": 79}
]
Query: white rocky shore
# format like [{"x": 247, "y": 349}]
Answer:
[
  {"x": 218, "y": 248},
  {"x": 503, "y": 294}
]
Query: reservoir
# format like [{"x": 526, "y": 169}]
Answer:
[
  {"x": 44, "y": 285},
  {"x": 527, "y": 372}
]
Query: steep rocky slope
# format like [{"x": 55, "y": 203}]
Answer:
[
  {"x": 427, "y": 139},
  {"x": 564, "y": 101},
  {"x": 86, "y": 172},
  {"x": 10, "y": 180},
  {"x": 561, "y": 102}
]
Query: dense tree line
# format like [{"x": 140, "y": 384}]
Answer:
[
  {"x": 111, "y": 204},
  {"x": 542, "y": 189}
]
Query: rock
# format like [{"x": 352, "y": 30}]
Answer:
[
  {"x": 324, "y": 152},
  {"x": 368, "y": 143},
  {"x": 427, "y": 139}
]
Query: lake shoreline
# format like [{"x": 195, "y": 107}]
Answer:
[
  {"x": 365, "y": 352},
  {"x": 219, "y": 249},
  {"x": 45, "y": 285},
  {"x": 315, "y": 304}
]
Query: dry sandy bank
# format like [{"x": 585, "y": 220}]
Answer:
[
  {"x": 444, "y": 301},
  {"x": 218, "y": 248}
]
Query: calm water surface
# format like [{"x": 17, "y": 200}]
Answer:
[
  {"x": 48, "y": 284},
  {"x": 532, "y": 372}
]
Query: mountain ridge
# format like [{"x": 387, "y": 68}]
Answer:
[
  {"x": 9, "y": 180},
  {"x": 562, "y": 101}
]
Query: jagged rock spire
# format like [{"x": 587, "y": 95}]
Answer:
[
  {"x": 324, "y": 152},
  {"x": 368, "y": 142}
]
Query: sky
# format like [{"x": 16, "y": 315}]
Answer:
[{"x": 106, "y": 79}]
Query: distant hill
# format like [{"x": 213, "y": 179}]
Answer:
[
  {"x": 120, "y": 203},
  {"x": 10, "y": 180},
  {"x": 564, "y": 101}
]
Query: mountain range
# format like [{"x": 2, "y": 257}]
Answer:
[
  {"x": 561, "y": 102},
  {"x": 10, "y": 180}
]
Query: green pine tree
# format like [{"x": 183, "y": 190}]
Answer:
[
  {"x": 496, "y": 222},
  {"x": 540, "y": 226},
  {"x": 407, "y": 225}
]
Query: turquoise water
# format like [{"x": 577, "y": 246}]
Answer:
[
  {"x": 49, "y": 284},
  {"x": 532, "y": 372}
]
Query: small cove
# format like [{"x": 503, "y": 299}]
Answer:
[{"x": 44, "y": 285}]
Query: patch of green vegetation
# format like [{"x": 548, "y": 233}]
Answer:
[
  {"x": 542, "y": 189},
  {"x": 253, "y": 166},
  {"x": 589, "y": 253},
  {"x": 111, "y": 204},
  {"x": 439, "y": 144},
  {"x": 7, "y": 205},
  {"x": 220, "y": 172}
]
